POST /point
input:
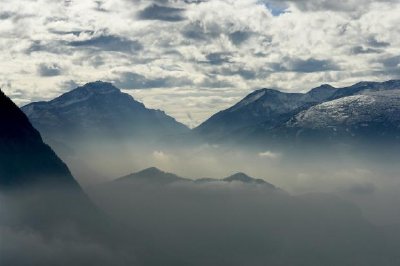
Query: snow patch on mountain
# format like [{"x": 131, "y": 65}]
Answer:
[{"x": 382, "y": 106}]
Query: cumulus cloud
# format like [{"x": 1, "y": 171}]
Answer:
[{"x": 198, "y": 47}]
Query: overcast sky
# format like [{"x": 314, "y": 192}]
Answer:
[{"x": 192, "y": 58}]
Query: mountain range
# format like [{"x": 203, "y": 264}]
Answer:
[
  {"x": 154, "y": 176},
  {"x": 99, "y": 110},
  {"x": 195, "y": 222},
  {"x": 200, "y": 222},
  {"x": 361, "y": 111}
]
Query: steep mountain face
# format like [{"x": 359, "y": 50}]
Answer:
[
  {"x": 366, "y": 109},
  {"x": 24, "y": 158},
  {"x": 44, "y": 211},
  {"x": 100, "y": 110},
  {"x": 267, "y": 106}
]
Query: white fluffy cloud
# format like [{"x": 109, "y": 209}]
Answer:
[{"x": 193, "y": 58}]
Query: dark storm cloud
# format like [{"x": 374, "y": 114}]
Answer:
[
  {"x": 49, "y": 70},
  {"x": 164, "y": 13},
  {"x": 129, "y": 80},
  {"x": 109, "y": 43},
  {"x": 305, "y": 65}
]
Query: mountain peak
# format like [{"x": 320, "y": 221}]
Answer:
[
  {"x": 100, "y": 87},
  {"x": 242, "y": 177},
  {"x": 152, "y": 174},
  {"x": 87, "y": 91},
  {"x": 254, "y": 97},
  {"x": 151, "y": 170},
  {"x": 323, "y": 87},
  {"x": 99, "y": 109}
]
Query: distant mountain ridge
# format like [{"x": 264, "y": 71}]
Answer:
[
  {"x": 98, "y": 109},
  {"x": 271, "y": 115},
  {"x": 154, "y": 175},
  {"x": 262, "y": 106},
  {"x": 265, "y": 105}
]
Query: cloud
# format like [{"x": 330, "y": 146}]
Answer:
[
  {"x": 305, "y": 65},
  {"x": 212, "y": 82},
  {"x": 372, "y": 41},
  {"x": 362, "y": 189},
  {"x": 218, "y": 58},
  {"x": 163, "y": 13},
  {"x": 365, "y": 50},
  {"x": 130, "y": 80},
  {"x": 49, "y": 70},
  {"x": 392, "y": 62},
  {"x": 248, "y": 44},
  {"x": 318, "y": 5},
  {"x": 269, "y": 155},
  {"x": 198, "y": 31},
  {"x": 239, "y": 37},
  {"x": 5, "y": 15},
  {"x": 109, "y": 43},
  {"x": 391, "y": 65}
]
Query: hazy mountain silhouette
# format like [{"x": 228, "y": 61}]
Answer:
[
  {"x": 155, "y": 176},
  {"x": 240, "y": 220},
  {"x": 151, "y": 175},
  {"x": 242, "y": 177}
]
